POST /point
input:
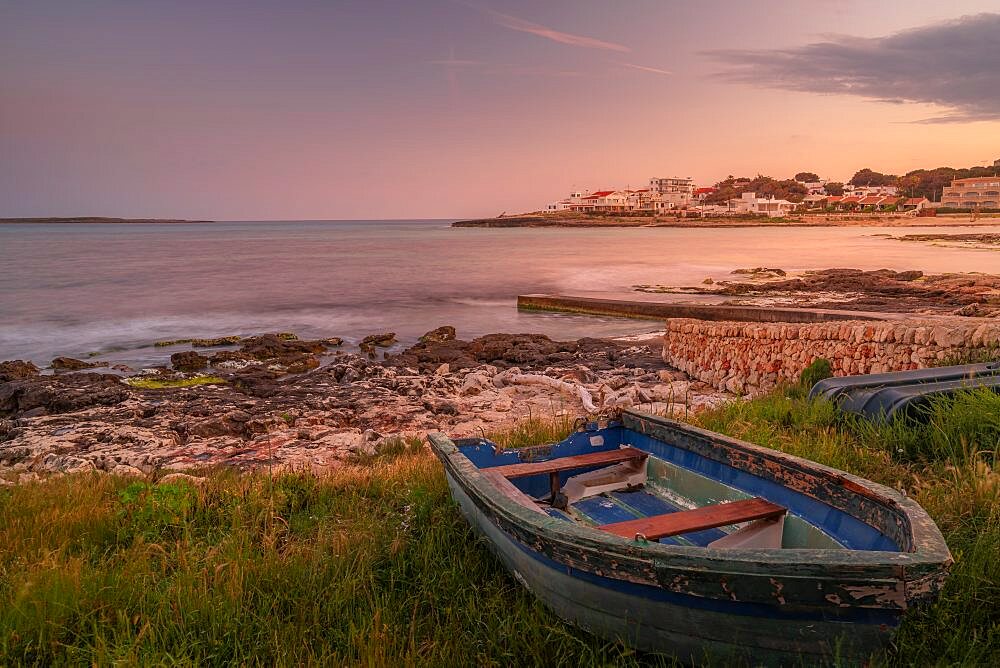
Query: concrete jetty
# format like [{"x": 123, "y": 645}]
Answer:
[{"x": 651, "y": 310}]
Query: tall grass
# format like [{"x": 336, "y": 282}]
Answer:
[
  {"x": 373, "y": 565},
  {"x": 945, "y": 461}
]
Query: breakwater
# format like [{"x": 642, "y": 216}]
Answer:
[
  {"x": 752, "y": 357},
  {"x": 651, "y": 310}
]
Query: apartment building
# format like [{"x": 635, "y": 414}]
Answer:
[
  {"x": 981, "y": 192},
  {"x": 675, "y": 192}
]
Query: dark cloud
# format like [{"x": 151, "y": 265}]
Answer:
[{"x": 955, "y": 65}]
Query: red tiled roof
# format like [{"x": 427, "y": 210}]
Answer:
[
  {"x": 853, "y": 199},
  {"x": 915, "y": 200},
  {"x": 599, "y": 193},
  {"x": 834, "y": 198},
  {"x": 699, "y": 191},
  {"x": 871, "y": 199},
  {"x": 890, "y": 200}
]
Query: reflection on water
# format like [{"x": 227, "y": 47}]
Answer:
[{"x": 72, "y": 289}]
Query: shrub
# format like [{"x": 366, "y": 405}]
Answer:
[{"x": 820, "y": 369}]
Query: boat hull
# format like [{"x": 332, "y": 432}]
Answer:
[
  {"x": 758, "y": 605},
  {"x": 652, "y": 620}
]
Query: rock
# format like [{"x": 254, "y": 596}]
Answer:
[
  {"x": 439, "y": 335},
  {"x": 188, "y": 360},
  {"x": 124, "y": 368},
  {"x": 708, "y": 281},
  {"x": 16, "y": 369},
  {"x": 126, "y": 471},
  {"x": 316, "y": 420},
  {"x": 334, "y": 341},
  {"x": 302, "y": 364},
  {"x": 475, "y": 383},
  {"x": 761, "y": 272},
  {"x": 61, "y": 394},
  {"x": 383, "y": 340},
  {"x": 73, "y": 364},
  {"x": 219, "y": 341},
  {"x": 271, "y": 346},
  {"x": 439, "y": 406},
  {"x": 173, "y": 478}
]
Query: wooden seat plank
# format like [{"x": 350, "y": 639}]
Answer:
[
  {"x": 698, "y": 519},
  {"x": 507, "y": 488},
  {"x": 568, "y": 463}
]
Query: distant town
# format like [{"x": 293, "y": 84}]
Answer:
[{"x": 921, "y": 192}]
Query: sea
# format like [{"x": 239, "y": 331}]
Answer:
[{"x": 109, "y": 291}]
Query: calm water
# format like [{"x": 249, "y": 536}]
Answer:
[{"x": 73, "y": 289}]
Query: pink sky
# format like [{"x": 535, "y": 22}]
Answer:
[{"x": 381, "y": 109}]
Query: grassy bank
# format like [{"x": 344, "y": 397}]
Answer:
[{"x": 373, "y": 565}]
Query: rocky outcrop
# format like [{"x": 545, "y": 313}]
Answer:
[
  {"x": 46, "y": 395},
  {"x": 188, "y": 360},
  {"x": 16, "y": 369},
  {"x": 439, "y": 335},
  {"x": 382, "y": 340},
  {"x": 854, "y": 289},
  {"x": 72, "y": 364},
  {"x": 351, "y": 407},
  {"x": 750, "y": 358}
]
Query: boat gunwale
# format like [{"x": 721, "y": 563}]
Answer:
[{"x": 902, "y": 577}]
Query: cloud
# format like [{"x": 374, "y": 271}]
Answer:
[
  {"x": 646, "y": 68},
  {"x": 955, "y": 65},
  {"x": 521, "y": 25}
]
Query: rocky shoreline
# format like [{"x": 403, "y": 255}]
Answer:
[
  {"x": 976, "y": 295},
  {"x": 569, "y": 219},
  {"x": 280, "y": 402}
]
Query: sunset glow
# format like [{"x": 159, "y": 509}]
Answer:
[{"x": 316, "y": 110}]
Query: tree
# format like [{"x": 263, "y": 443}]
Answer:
[
  {"x": 762, "y": 186},
  {"x": 834, "y": 188},
  {"x": 807, "y": 177},
  {"x": 867, "y": 177},
  {"x": 930, "y": 183}
]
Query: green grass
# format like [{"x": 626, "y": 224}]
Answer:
[
  {"x": 164, "y": 383},
  {"x": 373, "y": 565},
  {"x": 947, "y": 465}
]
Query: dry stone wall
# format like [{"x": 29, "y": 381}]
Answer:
[{"x": 751, "y": 357}]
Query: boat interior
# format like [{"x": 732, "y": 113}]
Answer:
[{"x": 631, "y": 485}]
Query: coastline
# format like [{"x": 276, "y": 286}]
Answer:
[{"x": 805, "y": 220}]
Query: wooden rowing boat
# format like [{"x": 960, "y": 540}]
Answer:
[{"x": 678, "y": 540}]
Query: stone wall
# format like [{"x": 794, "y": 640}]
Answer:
[{"x": 751, "y": 357}]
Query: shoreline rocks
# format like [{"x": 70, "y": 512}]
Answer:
[
  {"x": 17, "y": 369},
  {"x": 73, "y": 364},
  {"x": 854, "y": 289},
  {"x": 325, "y": 417}
]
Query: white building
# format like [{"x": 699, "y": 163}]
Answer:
[
  {"x": 869, "y": 191},
  {"x": 676, "y": 192},
  {"x": 610, "y": 201},
  {"x": 749, "y": 203}
]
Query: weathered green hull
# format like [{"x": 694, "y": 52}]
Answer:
[
  {"x": 690, "y": 634},
  {"x": 784, "y": 606}
]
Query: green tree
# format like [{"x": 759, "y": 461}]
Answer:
[
  {"x": 807, "y": 177},
  {"x": 834, "y": 188},
  {"x": 867, "y": 177},
  {"x": 762, "y": 186}
]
